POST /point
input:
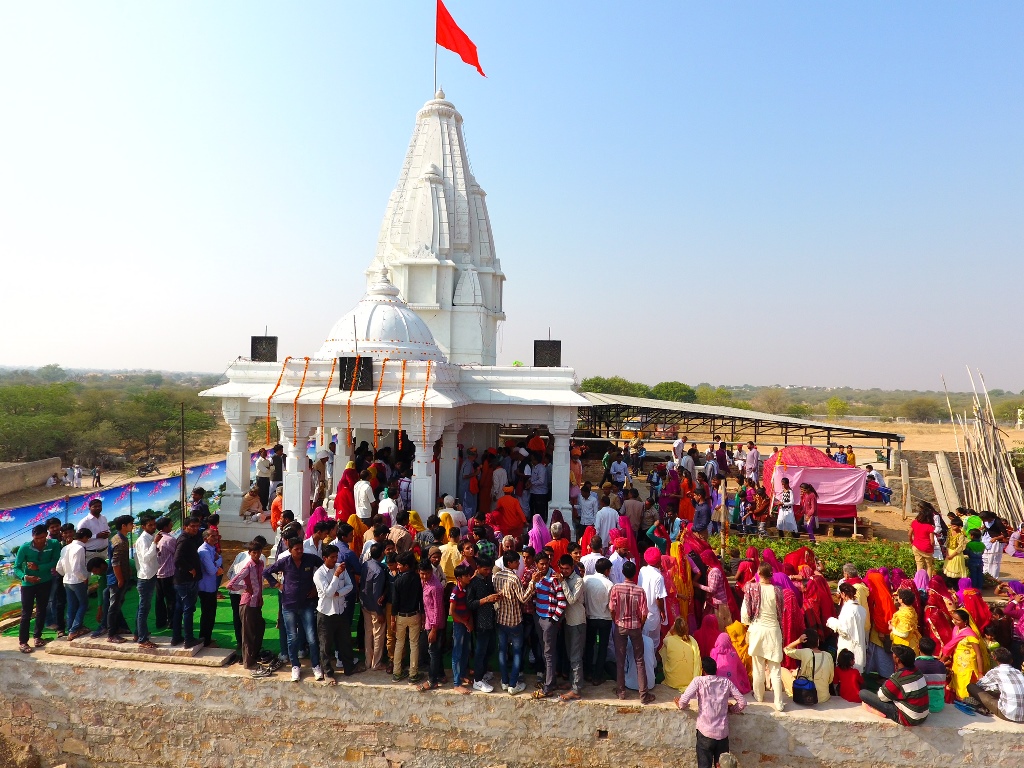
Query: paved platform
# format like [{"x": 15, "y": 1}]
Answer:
[
  {"x": 164, "y": 653},
  {"x": 99, "y": 711}
]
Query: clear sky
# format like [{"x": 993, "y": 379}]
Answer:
[{"x": 796, "y": 193}]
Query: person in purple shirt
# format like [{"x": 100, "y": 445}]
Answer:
[
  {"x": 434, "y": 622},
  {"x": 712, "y": 693},
  {"x": 212, "y": 564},
  {"x": 165, "y": 546},
  {"x": 298, "y": 602}
]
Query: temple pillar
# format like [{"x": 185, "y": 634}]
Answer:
[
  {"x": 423, "y": 496},
  {"x": 238, "y": 462},
  {"x": 449, "y": 465},
  {"x": 296, "y": 475},
  {"x": 561, "y": 428}
]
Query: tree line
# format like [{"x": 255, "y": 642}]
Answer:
[
  {"x": 88, "y": 418},
  {"x": 805, "y": 402}
]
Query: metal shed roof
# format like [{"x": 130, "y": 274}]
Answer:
[{"x": 607, "y": 413}]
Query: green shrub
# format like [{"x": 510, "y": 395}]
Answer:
[{"x": 833, "y": 553}]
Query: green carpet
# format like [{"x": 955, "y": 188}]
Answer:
[{"x": 223, "y": 629}]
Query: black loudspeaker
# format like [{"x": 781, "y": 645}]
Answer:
[
  {"x": 364, "y": 375},
  {"x": 547, "y": 354},
  {"x": 263, "y": 349}
]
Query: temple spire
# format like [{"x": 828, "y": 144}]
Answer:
[{"x": 436, "y": 230}]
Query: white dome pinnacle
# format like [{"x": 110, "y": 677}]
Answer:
[
  {"x": 381, "y": 325},
  {"x": 436, "y": 238}
]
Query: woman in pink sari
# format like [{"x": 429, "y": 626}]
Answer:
[
  {"x": 768, "y": 556},
  {"x": 344, "y": 499},
  {"x": 626, "y": 532},
  {"x": 708, "y": 634},
  {"x": 729, "y": 663},
  {"x": 539, "y": 534},
  {"x": 669, "y": 498},
  {"x": 318, "y": 516}
]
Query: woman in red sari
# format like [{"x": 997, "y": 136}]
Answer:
[
  {"x": 686, "y": 498},
  {"x": 344, "y": 499},
  {"x": 670, "y": 570},
  {"x": 937, "y": 618},
  {"x": 793, "y": 624},
  {"x": 818, "y": 605},
  {"x": 798, "y": 557}
]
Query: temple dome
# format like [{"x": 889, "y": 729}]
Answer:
[{"x": 382, "y": 326}]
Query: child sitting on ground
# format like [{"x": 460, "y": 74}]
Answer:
[
  {"x": 934, "y": 672},
  {"x": 848, "y": 680}
]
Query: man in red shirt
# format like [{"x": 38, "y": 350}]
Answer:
[{"x": 628, "y": 605}]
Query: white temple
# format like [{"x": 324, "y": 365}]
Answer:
[{"x": 429, "y": 321}]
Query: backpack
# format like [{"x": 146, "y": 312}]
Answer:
[{"x": 804, "y": 691}]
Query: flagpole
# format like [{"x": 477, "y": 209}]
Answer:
[{"x": 435, "y": 61}]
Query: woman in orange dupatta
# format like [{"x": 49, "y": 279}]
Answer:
[
  {"x": 683, "y": 577},
  {"x": 880, "y": 603},
  {"x": 359, "y": 528},
  {"x": 881, "y": 609}
]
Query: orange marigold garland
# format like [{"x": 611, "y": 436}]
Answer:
[
  {"x": 423, "y": 405},
  {"x": 380, "y": 384},
  {"x": 330, "y": 379},
  {"x": 401, "y": 394},
  {"x": 348, "y": 408},
  {"x": 284, "y": 367},
  {"x": 295, "y": 404}
]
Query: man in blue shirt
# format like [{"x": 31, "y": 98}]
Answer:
[
  {"x": 298, "y": 603},
  {"x": 372, "y": 598},
  {"x": 212, "y": 565}
]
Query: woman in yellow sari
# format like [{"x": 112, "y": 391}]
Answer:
[
  {"x": 903, "y": 628},
  {"x": 955, "y": 565},
  {"x": 680, "y": 656},
  {"x": 416, "y": 525},
  {"x": 738, "y": 635},
  {"x": 447, "y": 522},
  {"x": 359, "y": 528},
  {"x": 966, "y": 653}
]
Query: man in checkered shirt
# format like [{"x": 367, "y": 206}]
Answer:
[{"x": 1001, "y": 690}]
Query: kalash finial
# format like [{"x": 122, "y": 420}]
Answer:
[{"x": 439, "y": 95}]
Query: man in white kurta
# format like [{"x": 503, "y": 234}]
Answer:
[
  {"x": 760, "y": 612},
  {"x": 606, "y": 519},
  {"x": 850, "y": 626}
]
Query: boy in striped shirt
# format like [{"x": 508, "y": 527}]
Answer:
[
  {"x": 903, "y": 698},
  {"x": 550, "y": 605}
]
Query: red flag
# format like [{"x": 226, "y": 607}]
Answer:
[{"x": 450, "y": 36}]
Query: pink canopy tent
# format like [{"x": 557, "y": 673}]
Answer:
[{"x": 840, "y": 487}]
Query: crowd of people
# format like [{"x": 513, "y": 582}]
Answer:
[{"x": 615, "y": 588}]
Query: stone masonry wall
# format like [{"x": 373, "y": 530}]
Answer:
[{"x": 108, "y": 714}]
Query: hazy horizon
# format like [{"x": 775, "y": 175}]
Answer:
[{"x": 749, "y": 192}]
